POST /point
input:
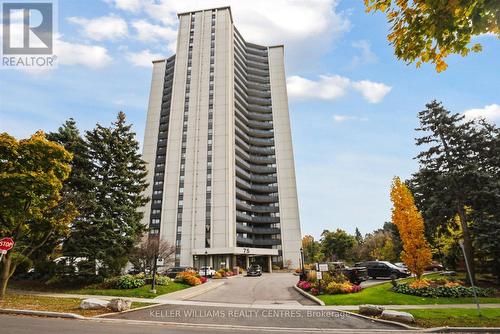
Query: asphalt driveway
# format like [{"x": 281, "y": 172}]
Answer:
[{"x": 275, "y": 288}]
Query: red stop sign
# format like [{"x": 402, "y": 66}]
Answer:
[{"x": 6, "y": 244}]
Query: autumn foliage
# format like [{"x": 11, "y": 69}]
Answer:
[{"x": 416, "y": 252}]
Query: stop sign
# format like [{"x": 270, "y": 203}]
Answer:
[{"x": 6, "y": 244}]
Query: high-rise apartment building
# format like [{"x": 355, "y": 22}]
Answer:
[{"x": 219, "y": 150}]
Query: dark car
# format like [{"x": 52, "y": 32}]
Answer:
[
  {"x": 434, "y": 266},
  {"x": 254, "y": 270},
  {"x": 355, "y": 275},
  {"x": 172, "y": 272},
  {"x": 383, "y": 269}
]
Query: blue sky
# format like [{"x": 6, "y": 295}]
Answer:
[{"x": 353, "y": 106}]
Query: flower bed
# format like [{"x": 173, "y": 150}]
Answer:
[
  {"x": 189, "y": 277},
  {"x": 440, "y": 288},
  {"x": 329, "y": 285}
]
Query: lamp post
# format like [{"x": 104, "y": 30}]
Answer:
[
  {"x": 206, "y": 255},
  {"x": 471, "y": 279},
  {"x": 302, "y": 264}
]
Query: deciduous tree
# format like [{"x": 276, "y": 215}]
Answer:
[
  {"x": 405, "y": 215},
  {"x": 337, "y": 244},
  {"x": 430, "y": 30},
  {"x": 32, "y": 172}
]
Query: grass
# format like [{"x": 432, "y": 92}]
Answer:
[
  {"x": 142, "y": 292},
  {"x": 457, "y": 317},
  {"x": 42, "y": 303},
  {"x": 382, "y": 295}
]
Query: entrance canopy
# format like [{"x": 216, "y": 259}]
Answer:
[{"x": 235, "y": 251}]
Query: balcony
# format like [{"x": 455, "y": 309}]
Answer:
[
  {"x": 257, "y": 242},
  {"x": 240, "y": 216},
  {"x": 240, "y": 205},
  {"x": 272, "y": 198},
  {"x": 259, "y": 100},
  {"x": 257, "y": 230},
  {"x": 266, "y": 189}
]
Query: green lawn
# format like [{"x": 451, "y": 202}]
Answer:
[
  {"x": 382, "y": 295},
  {"x": 142, "y": 292},
  {"x": 457, "y": 317}
]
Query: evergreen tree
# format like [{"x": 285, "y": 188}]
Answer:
[
  {"x": 118, "y": 178},
  {"x": 358, "y": 237},
  {"x": 78, "y": 188},
  {"x": 458, "y": 170}
]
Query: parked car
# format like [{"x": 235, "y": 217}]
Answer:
[
  {"x": 206, "y": 271},
  {"x": 401, "y": 265},
  {"x": 172, "y": 272},
  {"x": 254, "y": 270},
  {"x": 355, "y": 275},
  {"x": 383, "y": 269},
  {"x": 434, "y": 266}
]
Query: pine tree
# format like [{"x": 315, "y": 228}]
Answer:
[
  {"x": 358, "y": 237},
  {"x": 451, "y": 175},
  {"x": 118, "y": 177},
  {"x": 78, "y": 188},
  {"x": 416, "y": 252}
]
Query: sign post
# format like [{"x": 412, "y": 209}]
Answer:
[{"x": 6, "y": 244}]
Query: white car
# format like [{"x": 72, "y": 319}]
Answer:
[{"x": 206, "y": 271}]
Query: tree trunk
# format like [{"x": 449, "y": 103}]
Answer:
[
  {"x": 5, "y": 275},
  {"x": 469, "y": 251}
]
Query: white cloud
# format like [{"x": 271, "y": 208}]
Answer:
[
  {"x": 333, "y": 87},
  {"x": 143, "y": 58},
  {"x": 367, "y": 56},
  {"x": 127, "y": 5},
  {"x": 343, "y": 118},
  {"x": 373, "y": 92},
  {"x": 306, "y": 27},
  {"x": 148, "y": 32},
  {"x": 102, "y": 28},
  {"x": 93, "y": 56},
  {"x": 326, "y": 88},
  {"x": 490, "y": 112}
]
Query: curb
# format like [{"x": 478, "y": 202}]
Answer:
[
  {"x": 190, "y": 295},
  {"x": 309, "y": 296},
  {"x": 127, "y": 311},
  {"x": 47, "y": 314}
]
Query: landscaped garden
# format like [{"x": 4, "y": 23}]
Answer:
[
  {"x": 387, "y": 294},
  {"x": 121, "y": 286}
]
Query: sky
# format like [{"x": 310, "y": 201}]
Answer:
[{"x": 353, "y": 105}]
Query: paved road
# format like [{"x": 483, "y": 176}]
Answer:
[
  {"x": 33, "y": 325},
  {"x": 279, "y": 316},
  {"x": 275, "y": 288}
]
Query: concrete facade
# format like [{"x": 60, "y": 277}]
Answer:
[{"x": 218, "y": 149}]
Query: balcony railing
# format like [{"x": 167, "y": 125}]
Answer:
[
  {"x": 255, "y": 208},
  {"x": 240, "y": 216}
]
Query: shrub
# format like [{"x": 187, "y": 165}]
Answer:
[
  {"x": 455, "y": 291},
  {"x": 304, "y": 285},
  {"x": 311, "y": 276},
  {"x": 276, "y": 267},
  {"x": 336, "y": 288},
  {"x": 217, "y": 275},
  {"x": 188, "y": 277},
  {"x": 203, "y": 280},
  {"x": 314, "y": 291},
  {"x": 340, "y": 278},
  {"x": 124, "y": 282},
  {"x": 419, "y": 284},
  {"x": 326, "y": 278},
  {"x": 162, "y": 280}
]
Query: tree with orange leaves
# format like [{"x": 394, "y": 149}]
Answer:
[{"x": 416, "y": 252}]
